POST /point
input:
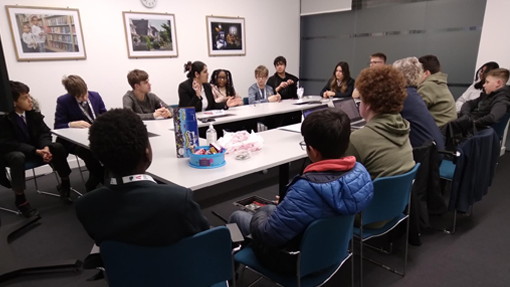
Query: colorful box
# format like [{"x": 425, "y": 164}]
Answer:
[{"x": 186, "y": 131}]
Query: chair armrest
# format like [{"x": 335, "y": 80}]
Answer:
[{"x": 452, "y": 154}]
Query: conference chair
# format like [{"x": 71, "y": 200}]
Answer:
[
  {"x": 470, "y": 170},
  {"x": 324, "y": 247},
  {"x": 501, "y": 128},
  {"x": 204, "y": 259},
  {"x": 391, "y": 201},
  {"x": 32, "y": 165}
]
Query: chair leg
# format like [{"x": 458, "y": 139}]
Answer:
[
  {"x": 41, "y": 191},
  {"x": 17, "y": 212},
  {"x": 79, "y": 168},
  {"x": 361, "y": 250},
  {"x": 352, "y": 260},
  {"x": 406, "y": 253}
]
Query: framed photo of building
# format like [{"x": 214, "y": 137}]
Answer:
[
  {"x": 150, "y": 35},
  {"x": 41, "y": 33},
  {"x": 226, "y": 36}
]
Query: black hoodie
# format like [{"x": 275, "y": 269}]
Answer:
[{"x": 488, "y": 109}]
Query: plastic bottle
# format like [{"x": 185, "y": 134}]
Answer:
[{"x": 211, "y": 135}]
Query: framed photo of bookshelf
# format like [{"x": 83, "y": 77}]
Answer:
[
  {"x": 150, "y": 35},
  {"x": 226, "y": 36},
  {"x": 41, "y": 34}
]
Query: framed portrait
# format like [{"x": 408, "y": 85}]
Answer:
[
  {"x": 41, "y": 33},
  {"x": 226, "y": 36},
  {"x": 150, "y": 35}
]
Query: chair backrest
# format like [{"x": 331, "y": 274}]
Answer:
[
  {"x": 501, "y": 126},
  {"x": 391, "y": 196},
  {"x": 201, "y": 260},
  {"x": 325, "y": 242}
]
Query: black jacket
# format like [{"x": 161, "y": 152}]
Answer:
[
  {"x": 339, "y": 94},
  {"x": 38, "y": 131},
  {"x": 188, "y": 97},
  {"x": 488, "y": 109},
  {"x": 289, "y": 92},
  {"x": 141, "y": 213},
  {"x": 474, "y": 169}
]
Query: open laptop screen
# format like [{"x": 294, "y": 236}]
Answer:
[
  {"x": 349, "y": 107},
  {"x": 309, "y": 111}
]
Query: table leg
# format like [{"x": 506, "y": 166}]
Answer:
[{"x": 284, "y": 171}]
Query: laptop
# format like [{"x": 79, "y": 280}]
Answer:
[
  {"x": 348, "y": 106},
  {"x": 297, "y": 127}
]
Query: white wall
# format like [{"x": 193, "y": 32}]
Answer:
[
  {"x": 494, "y": 43},
  {"x": 272, "y": 29}
]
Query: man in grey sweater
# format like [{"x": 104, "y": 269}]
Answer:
[{"x": 140, "y": 100}]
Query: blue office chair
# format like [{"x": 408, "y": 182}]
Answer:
[
  {"x": 324, "y": 246},
  {"x": 391, "y": 196},
  {"x": 204, "y": 259},
  {"x": 32, "y": 165},
  {"x": 500, "y": 128}
]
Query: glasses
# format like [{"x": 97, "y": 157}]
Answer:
[{"x": 303, "y": 145}]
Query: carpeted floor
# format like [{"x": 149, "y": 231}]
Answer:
[{"x": 475, "y": 256}]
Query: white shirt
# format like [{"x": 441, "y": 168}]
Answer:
[
  {"x": 36, "y": 30},
  {"x": 29, "y": 39},
  {"x": 205, "y": 102},
  {"x": 470, "y": 94},
  {"x": 22, "y": 115}
]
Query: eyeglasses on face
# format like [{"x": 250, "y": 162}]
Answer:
[{"x": 303, "y": 145}]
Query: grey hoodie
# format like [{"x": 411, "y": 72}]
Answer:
[
  {"x": 146, "y": 108},
  {"x": 383, "y": 146}
]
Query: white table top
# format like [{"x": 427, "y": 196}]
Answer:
[{"x": 279, "y": 147}]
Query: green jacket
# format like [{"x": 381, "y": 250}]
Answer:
[
  {"x": 383, "y": 146},
  {"x": 438, "y": 98}
]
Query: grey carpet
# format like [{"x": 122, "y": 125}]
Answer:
[{"x": 475, "y": 256}]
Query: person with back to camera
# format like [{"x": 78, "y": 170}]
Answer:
[
  {"x": 197, "y": 92},
  {"x": 340, "y": 85}
]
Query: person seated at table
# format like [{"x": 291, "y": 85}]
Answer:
[
  {"x": 334, "y": 184},
  {"x": 197, "y": 92},
  {"x": 140, "y": 100},
  {"x": 383, "y": 145},
  {"x": 260, "y": 92},
  {"x": 476, "y": 89},
  {"x": 24, "y": 137},
  {"x": 377, "y": 60},
  {"x": 223, "y": 86},
  {"x": 282, "y": 82},
  {"x": 489, "y": 108},
  {"x": 433, "y": 88},
  {"x": 133, "y": 208},
  {"x": 340, "y": 85},
  {"x": 78, "y": 109},
  {"x": 423, "y": 126}
]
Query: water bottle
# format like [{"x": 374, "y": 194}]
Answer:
[{"x": 211, "y": 135}]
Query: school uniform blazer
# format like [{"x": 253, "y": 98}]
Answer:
[
  {"x": 188, "y": 97},
  {"x": 68, "y": 109}
]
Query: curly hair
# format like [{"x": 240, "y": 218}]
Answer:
[
  {"x": 383, "y": 88},
  {"x": 231, "y": 92},
  {"x": 411, "y": 68},
  {"x": 118, "y": 139}
]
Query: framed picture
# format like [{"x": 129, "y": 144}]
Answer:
[
  {"x": 226, "y": 36},
  {"x": 41, "y": 33},
  {"x": 150, "y": 35}
]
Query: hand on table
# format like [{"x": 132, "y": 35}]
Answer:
[
  {"x": 79, "y": 125},
  {"x": 234, "y": 101},
  {"x": 328, "y": 94}
]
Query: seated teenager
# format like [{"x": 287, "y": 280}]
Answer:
[
  {"x": 78, "y": 109},
  {"x": 489, "y": 108},
  {"x": 433, "y": 89},
  {"x": 133, "y": 208},
  {"x": 260, "y": 92},
  {"x": 223, "y": 86},
  {"x": 197, "y": 92},
  {"x": 334, "y": 184},
  {"x": 377, "y": 60},
  {"x": 423, "y": 126},
  {"x": 474, "y": 91},
  {"x": 340, "y": 85},
  {"x": 282, "y": 82},
  {"x": 383, "y": 145},
  {"x": 25, "y": 137},
  {"x": 140, "y": 100}
]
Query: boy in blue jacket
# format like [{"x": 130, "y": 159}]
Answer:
[{"x": 332, "y": 185}]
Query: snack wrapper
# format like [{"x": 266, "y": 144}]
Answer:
[{"x": 241, "y": 141}]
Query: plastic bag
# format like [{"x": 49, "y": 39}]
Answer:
[{"x": 242, "y": 140}]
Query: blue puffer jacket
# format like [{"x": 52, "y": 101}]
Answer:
[{"x": 327, "y": 188}]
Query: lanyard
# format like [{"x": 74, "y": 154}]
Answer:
[
  {"x": 85, "y": 112},
  {"x": 132, "y": 178},
  {"x": 263, "y": 94}
]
